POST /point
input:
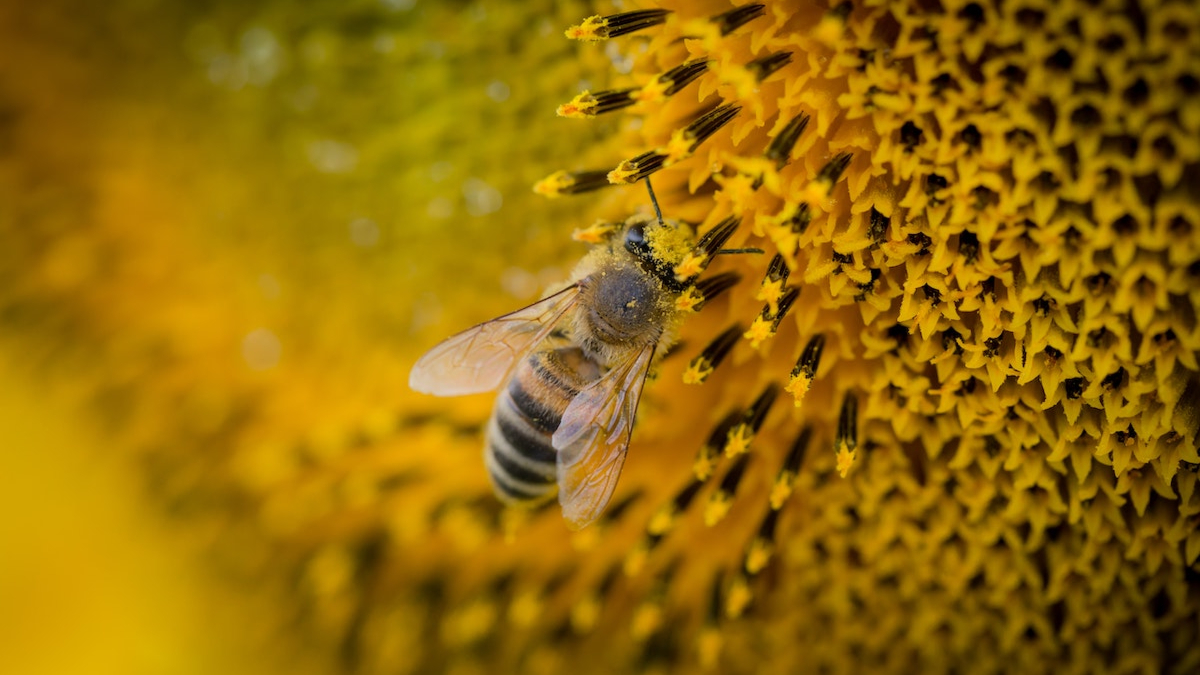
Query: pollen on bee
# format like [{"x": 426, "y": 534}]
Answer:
[{"x": 595, "y": 233}]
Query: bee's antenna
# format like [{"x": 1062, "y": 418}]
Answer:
[{"x": 654, "y": 201}]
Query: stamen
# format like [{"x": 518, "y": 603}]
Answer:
[
  {"x": 763, "y": 545},
  {"x": 703, "y": 365},
  {"x": 771, "y": 289},
  {"x": 596, "y": 28},
  {"x": 736, "y": 18},
  {"x": 685, "y": 141},
  {"x": 671, "y": 82},
  {"x": 822, "y": 185},
  {"x": 722, "y": 500},
  {"x": 846, "y": 444},
  {"x": 714, "y": 286},
  {"x": 706, "y": 459},
  {"x": 714, "y": 239},
  {"x": 767, "y": 322},
  {"x": 598, "y": 232},
  {"x": 781, "y": 146},
  {"x": 767, "y": 65},
  {"x": 782, "y": 489},
  {"x": 586, "y": 611},
  {"x": 739, "y": 596},
  {"x": 588, "y": 105},
  {"x": 664, "y": 519},
  {"x": 739, "y": 438},
  {"x": 806, "y": 368},
  {"x": 562, "y": 183},
  {"x": 637, "y": 168}
]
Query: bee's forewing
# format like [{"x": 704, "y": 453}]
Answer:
[
  {"x": 593, "y": 437},
  {"x": 479, "y": 359}
]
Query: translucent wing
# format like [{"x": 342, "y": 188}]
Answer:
[
  {"x": 593, "y": 437},
  {"x": 479, "y": 359}
]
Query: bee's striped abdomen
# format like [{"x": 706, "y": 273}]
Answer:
[{"x": 519, "y": 453}]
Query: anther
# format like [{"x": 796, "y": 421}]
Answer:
[
  {"x": 846, "y": 444},
  {"x": 703, "y": 365},
  {"x": 780, "y": 149},
  {"x": 767, "y": 322},
  {"x": 740, "y": 436},
  {"x": 806, "y": 368},
  {"x": 615, "y": 25},
  {"x": 671, "y": 82},
  {"x": 781, "y": 490},
  {"x": 736, "y": 18},
  {"x": 571, "y": 183},
  {"x": 769, "y": 64},
  {"x": 721, "y": 501},
  {"x": 587, "y": 104}
]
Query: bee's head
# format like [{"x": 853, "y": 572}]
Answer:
[{"x": 658, "y": 247}]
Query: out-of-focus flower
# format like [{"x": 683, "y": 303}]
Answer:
[{"x": 948, "y": 422}]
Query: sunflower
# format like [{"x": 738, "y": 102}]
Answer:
[{"x": 948, "y": 421}]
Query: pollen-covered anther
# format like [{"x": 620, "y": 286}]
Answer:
[
  {"x": 595, "y": 233},
  {"x": 562, "y": 183},
  {"x": 767, "y": 322},
  {"x": 701, "y": 367},
  {"x": 764, "y": 67},
  {"x": 721, "y": 500},
  {"x": 597, "y": 27},
  {"x": 740, "y": 436},
  {"x": 781, "y": 489},
  {"x": 685, "y": 141},
  {"x": 846, "y": 444},
  {"x": 635, "y": 169},
  {"x": 772, "y": 287},
  {"x": 806, "y": 369},
  {"x": 587, "y": 104},
  {"x": 671, "y": 82}
]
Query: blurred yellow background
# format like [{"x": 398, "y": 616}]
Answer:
[{"x": 219, "y": 223}]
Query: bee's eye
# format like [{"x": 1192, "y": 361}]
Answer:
[{"x": 635, "y": 239}]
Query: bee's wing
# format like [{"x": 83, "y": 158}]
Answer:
[
  {"x": 479, "y": 359},
  {"x": 593, "y": 436}
]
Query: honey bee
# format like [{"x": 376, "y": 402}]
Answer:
[{"x": 570, "y": 367}]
